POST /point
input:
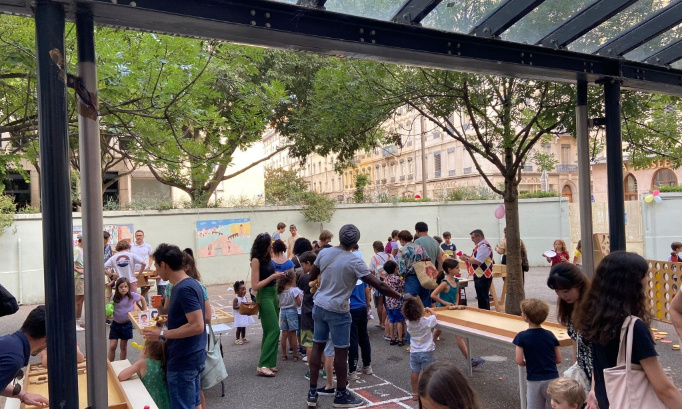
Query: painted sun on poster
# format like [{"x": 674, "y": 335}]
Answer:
[{"x": 223, "y": 237}]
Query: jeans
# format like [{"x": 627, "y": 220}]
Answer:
[
  {"x": 183, "y": 388},
  {"x": 419, "y": 361},
  {"x": 482, "y": 286},
  {"x": 359, "y": 337},
  {"x": 412, "y": 286},
  {"x": 335, "y": 323},
  {"x": 269, "y": 311}
]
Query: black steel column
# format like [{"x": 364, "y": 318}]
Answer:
[
  {"x": 584, "y": 178},
  {"x": 614, "y": 165},
  {"x": 56, "y": 205},
  {"x": 91, "y": 193}
]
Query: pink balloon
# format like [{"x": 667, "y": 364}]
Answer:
[
  {"x": 499, "y": 212},
  {"x": 656, "y": 192}
]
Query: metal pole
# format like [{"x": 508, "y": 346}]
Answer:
[
  {"x": 614, "y": 165},
  {"x": 56, "y": 205},
  {"x": 423, "y": 142},
  {"x": 91, "y": 191},
  {"x": 584, "y": 186}
]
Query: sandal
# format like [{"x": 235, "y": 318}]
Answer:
[
  {"x": 284, "y": 358},
  {"x": 295, "y": 358},
  {"x": 274, "y": 369},
  {"x": 265, "y": 372},
  {"x": 239, "y": 342},
  {"x": 245, "y": 340},
  {"x": 415, "y": 397}
]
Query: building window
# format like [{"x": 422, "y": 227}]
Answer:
[
  {"x": 18, "y": 188},
  {"x": 110, "y": 194},
  {"x": 664, "y": 177},
  {"x": 565, "y": 154},
  {"x": 630, "y": 187},
  {"x": 437, "y": 164}
]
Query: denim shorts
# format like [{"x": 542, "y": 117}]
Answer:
[
  {"x": 331, "y": 323},
  {"x": 420, "y": 360},
  {"x": 288, "y": 319},
  {"x": 184, "y": 388},
  {"x": 395, "y": 316},
  {"x": 121, "y": 331}
]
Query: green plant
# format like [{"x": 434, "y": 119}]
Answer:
[
  {"x": 471, "y": 193},
  {"x": 28, "y": 209},
  {"x": 7, "y": 210},
  {"x": 361, "y": 181},
  {"x": 670, "y": 188},
  {"x": 538, "y": 194},
  {"x": 411, "y": 200},
  {"x": 317, "y": 207}
]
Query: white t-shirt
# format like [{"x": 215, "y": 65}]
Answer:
[
  {"x": 338, "y": 278},
  {"x": 144, "y": 251},
  {"x": 124, "y": 263},
  {"x": 421, "y": 338},
  {"x": 376, "y": 264}
]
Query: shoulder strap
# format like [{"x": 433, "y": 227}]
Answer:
[{"x": 331, "y": 262}]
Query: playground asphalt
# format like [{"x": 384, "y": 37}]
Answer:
[{"x": 496, "y": 381}]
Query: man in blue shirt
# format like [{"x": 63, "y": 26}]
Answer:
[
  {"x": 185, "y": 337},
  {"x": 15, "y": 350}
]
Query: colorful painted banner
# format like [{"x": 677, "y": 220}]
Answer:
[{"x": 223, "y": 237}]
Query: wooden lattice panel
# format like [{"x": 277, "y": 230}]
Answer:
[{"x": 662, "y": 285}]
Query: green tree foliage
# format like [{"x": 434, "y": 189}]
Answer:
[
  {"x": 361, "y": 181},
  {"x": 285, "y": 187},
  {"x": 7, "y": 211}
]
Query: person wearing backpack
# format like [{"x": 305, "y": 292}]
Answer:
[{"x": 376, "y": 266}]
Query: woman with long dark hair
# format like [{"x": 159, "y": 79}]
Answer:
[
  {"x": 616, "y": 293},
  {"x": 570, "y": 285},
  {"x": 263, "y": 279}
]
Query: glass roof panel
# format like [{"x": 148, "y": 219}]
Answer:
[
  {"x": 590, "y": 42},
  {"x": 540, "y": 22},
  {"x": 677, "y": 65},
  {"x": 460, "y": 16},
  {"x": 656, "y": 44},
  {"x": 376, "y": 9}
]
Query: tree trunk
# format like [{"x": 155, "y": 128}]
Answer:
[{"x": 515, "y": 288}]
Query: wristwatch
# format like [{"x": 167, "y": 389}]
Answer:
[{"x": 161, "y": 337}]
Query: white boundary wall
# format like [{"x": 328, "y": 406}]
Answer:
[{"x": 542, "y": 221}]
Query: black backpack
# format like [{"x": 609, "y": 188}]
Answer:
[{"x": 8, "y": 304}]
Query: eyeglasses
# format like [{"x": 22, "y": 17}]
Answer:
[{"x": 16, "y": 387}]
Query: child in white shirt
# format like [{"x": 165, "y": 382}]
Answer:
[{"x": 421, "y": 338}]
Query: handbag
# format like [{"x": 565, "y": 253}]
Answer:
[
  {"x": 214, "y": 370},
  {"x": 8, "y": 304},
  {"x": 426, "y": 273},
  {"x": 525, "y": 266},
  {"x": 627, "y": 386},
  {"x": 577, "y": 373},
  {"x": 248, "y": 308}
]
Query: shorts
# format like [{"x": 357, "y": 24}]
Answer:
[
  {"x": 378, "y": 298},
  {"x": 80, "y": 286},
  {"x": 419, "y": 361},
  {"x": 288, "y": 319},
  {"x": 334, "y": 324},
  {"x": 121, "y": 331},
  {"x": 395, "y": 316},
  {"x": 329, "y": 349},
  {"x": 307, "y": 338}
]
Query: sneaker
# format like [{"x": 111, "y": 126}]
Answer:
[
  {"x": 291, "y": 350},
  {"x": 79, "y": 328},
  {"x": 302, "y": 351},
  {"x": 326, "y": 392},
  {"x": 476, "y": 362},
  {"x": 371, "y": 316},
  {"x": 387, "y": 338},
  {"x": 312, "y": 398},
  {"x": 305, "y": 358},
  {"x": 353, "y": 376},
  {"x": 307, "y": 375},
  {"x": 367, "y": 370},
  {"x": 108, "y": 322},
  {"x": 324, "y": 374},
  {"x": 345, "y": 399}
]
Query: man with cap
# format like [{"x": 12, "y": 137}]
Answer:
[
  {"x": 291, "y": 240},
  {"x": 339, "y": 270}
]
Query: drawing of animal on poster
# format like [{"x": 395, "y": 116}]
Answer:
[{"x": 223, "y": 237}]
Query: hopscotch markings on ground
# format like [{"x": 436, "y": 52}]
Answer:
[{"x": 376, "y": 394}]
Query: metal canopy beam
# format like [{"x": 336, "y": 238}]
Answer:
[
  {"x": 653, "y": 26},
  {"x": 414, "y": 11},
  {"x": 667, "y": 55},
  {"x": 291, "y": 27},
  {"x": 584, "y": 21},
  {"x": 504, "y": 17},
  {"x": 312, "y": 3}
]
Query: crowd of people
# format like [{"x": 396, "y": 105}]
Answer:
[{"x": 315, "y": 302}]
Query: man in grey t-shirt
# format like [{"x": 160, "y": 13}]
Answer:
[
  {"x": 429, "y": 244},
  {"x": 340, "y": 271}
]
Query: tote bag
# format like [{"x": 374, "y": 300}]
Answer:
[
  {"x": 627, "y": 386},
  {"x": 214, "y": 370},
  {"x": 426, "y": 273}
]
